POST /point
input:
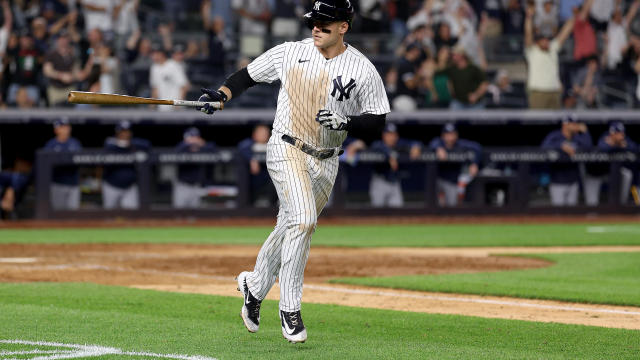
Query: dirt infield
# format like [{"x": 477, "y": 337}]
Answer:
[{"x": 210, "y": 269}]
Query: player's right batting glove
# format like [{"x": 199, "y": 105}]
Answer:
[{"x": 210, "y": 96}]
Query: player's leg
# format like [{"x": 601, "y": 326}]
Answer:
[
  {"x": 110, "y": 196},
  {"x": 57, "y": 196},
  {"x": 131, "y": 198},
  {"x": 626, "y": 178},
  {"x": 396, "y": 198},
  {"x": 572, "y": 194},
  {"x": 73, "y": 199},
  {"x": 556, "y": 192},
  {"x": 377, "y": 192},
  {"x": 592, "y": 185}
]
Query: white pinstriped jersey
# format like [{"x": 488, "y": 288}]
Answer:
[{"x": 347, "y": 84}]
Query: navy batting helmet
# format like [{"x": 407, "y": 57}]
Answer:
[{"x": 329, "y": 11}]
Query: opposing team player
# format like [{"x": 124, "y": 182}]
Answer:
[{"x": 328, "y": 88}]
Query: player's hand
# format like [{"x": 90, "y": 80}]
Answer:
[
  {"x": 331, "y": 120},
  {"x": 210, "y": 96}
]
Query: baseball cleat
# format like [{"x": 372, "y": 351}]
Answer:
[
  {"x": 251, "y": 308},
  {"x": 292, "y": 327}
]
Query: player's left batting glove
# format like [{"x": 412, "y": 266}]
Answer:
[
  {"x": 210, "y": 96},
  {"x": 331, "y": 120}
]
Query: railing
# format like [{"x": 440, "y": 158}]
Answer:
[{"x": 518, "y": 183}]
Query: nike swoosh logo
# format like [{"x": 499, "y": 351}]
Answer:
[
  {"x": 287, "y": 328},
  {"x": 246, "y": 301},
  {"x": 300, "y": 61}
]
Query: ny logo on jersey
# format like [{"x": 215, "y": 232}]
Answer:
[
  {"x": 316, "y": 6},
  {"x": 345, "y": 91}
]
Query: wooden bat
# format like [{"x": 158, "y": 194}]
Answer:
[{"x": 83, "y": 97}]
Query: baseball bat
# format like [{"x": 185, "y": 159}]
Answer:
[{"x": 84, "y": 97}]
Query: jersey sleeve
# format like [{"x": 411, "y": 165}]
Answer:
[
  {"x": 266, "y": 68},
  {"x": 372, "y": 95}
]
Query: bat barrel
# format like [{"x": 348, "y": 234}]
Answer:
[{"x": 82, "y": 97}]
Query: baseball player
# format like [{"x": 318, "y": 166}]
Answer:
[
  {"x": 615, "y": 140},
  {"x": 119, "y": 187},
  {"x": 565, "y": 176},
  {"x": 385, "y": 188},
  {"x": 328, "y": 88},
  {"x": 452, "y": 181},
  {"x": 251, "y": 149},
  {"x": 65, "y": 192},
  {"x": 187, "y": 189}
]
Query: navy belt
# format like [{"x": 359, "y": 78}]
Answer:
[{"x": 308, "y": 149}]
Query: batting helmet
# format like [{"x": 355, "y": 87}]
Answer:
[{"x": 329, "y": 11}]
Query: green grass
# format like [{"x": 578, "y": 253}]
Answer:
[
  {"x": 139, "y": 320},
  {"x": 606, "y": 278},
  {"x": 353, "y": 236}
]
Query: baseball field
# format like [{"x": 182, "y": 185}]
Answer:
[{"x": 460, "y": 290}]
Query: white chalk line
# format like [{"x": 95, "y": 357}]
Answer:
[
  {"x": 18, "y": 260},
  {"x": 469, "y": 300},
  {"x": 82, "y": 351},
  {"x": 362, "y": 291},
  {"x": 630, "y": 229}
]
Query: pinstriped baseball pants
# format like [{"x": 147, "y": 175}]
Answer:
[{"x": 303, "y": 184}]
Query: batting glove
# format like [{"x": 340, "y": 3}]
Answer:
[
  {"x": 331, "y": 120},
  {"x": 210, "y": 96}
]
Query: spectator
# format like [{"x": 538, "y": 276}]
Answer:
[
  {"x": 586, "y": 84},
  {"x": 168, "y": 79},
  {"x": 372, "y": 16},
  {"x": 541, "y": 53},
  {"x": 5, "y": 30},
  {"x": 567, "y": 9},
  {"x": 218, "y": 40},
  {"x": 23, "y": 99},
  {"x": 585, "y": 43},
  {"x": 62, "y": 70},
  {"x": 286, "y": 18},
  {"x": 565, "y": 175},
  {"x": 502, "y": 93},
  {"x": 444, "y": 36},
  {"x": 40, "y": 34},
  {"x": 99, "y": 14},
  {"x": 109, "y": 70},
  {"x": 615, "y": 140},
  {"x": 468, "y": 82},
  {"x": 188, "y": 187},
  {"x": 513, "y": 18},
  {"x": 601, "y": 12},
  {"x": 222, "y": 11},
  {"x": 452, "y": 180},
  {"x": 254, "y": 21},
  {"x": 546, "y": 18},
  {"x": 119, "y": 182},
  {"x": 617, "y": 41},
  {"x": 125, "y": 15},
  {"x": 253, "y": 152},
  {"x": 25, "y": 70},
  {"x": 385, "y": 189},
  {"x": 64, "y": 189},
  {"x": 408, "y": 79}
]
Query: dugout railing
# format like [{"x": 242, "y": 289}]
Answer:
[{"x": 524, "y": 167}]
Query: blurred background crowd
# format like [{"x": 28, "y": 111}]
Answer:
[{"x": 432, "y": 53}]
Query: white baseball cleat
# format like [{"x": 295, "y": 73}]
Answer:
[
  {"x": 251, "y": 307},
  {"x": 292, "y": 327}
]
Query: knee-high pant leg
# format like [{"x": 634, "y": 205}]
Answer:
[{"x": 303, "y": 184}]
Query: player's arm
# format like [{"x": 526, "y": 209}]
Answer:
[
  {"x": 363, "y": 126},
  {"x": 234, "y": 85}
]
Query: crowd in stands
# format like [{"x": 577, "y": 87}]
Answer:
[{"x": 443, "y": 53}]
